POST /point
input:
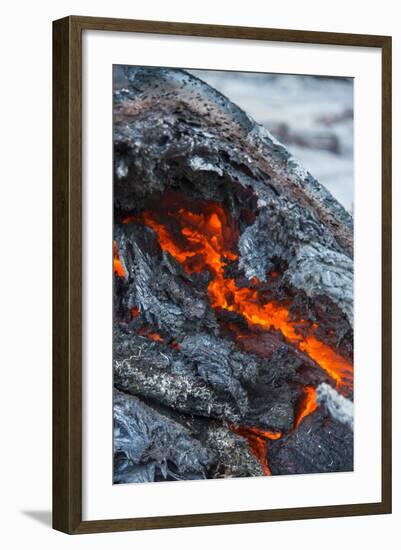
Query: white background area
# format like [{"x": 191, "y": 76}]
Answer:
[
  {"x": 103, "y": 500},
  {"x": 26, "y": 274}
]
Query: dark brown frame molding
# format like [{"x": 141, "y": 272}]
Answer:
[{"x": 67, "y": 293}]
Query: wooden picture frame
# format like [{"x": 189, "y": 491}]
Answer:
[{"x": 67, "y": 274}]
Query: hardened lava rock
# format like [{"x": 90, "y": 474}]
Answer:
[{"x": 187, "y": 373}]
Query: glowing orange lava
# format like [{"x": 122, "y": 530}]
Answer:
[
  {"x": 118, "y": 266},
  {"x": 155, "y": 336},
  {"x": 257, "y": 441},
  {"x": 134, "y": 311},
  {"x": 203, "y": 245},
  {"x": 307, "y": 405},
  {"x": 205, "y": 240}
]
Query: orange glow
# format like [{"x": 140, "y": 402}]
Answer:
[
  {"x": 257, "y": 441},
  {"x": 204, "y": 240},
  {"x": 307, "y": 406},
  {"x": 155, "y": 336},
  {"x": 266, "y": 434},
  {"x": 203, "y": 233},
  {"x": 118, "y": 266},
  {"x": 129, "y": 219},
  {"x": 134, "y": 312},
  {"x": 338, "y": 368}
]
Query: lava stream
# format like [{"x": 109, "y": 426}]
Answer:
[
  {"x": 308, "y": 404},
  {"x": 257, "y": 441},
  {"x": 118, "y": 266},
  {"x": 205, "y": 240}
]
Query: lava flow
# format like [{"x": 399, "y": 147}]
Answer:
[
  {"x": 257, "y": 441},
  {"x": 307, "y": 405},
  {"x": 118, "y": 266},
  {"x": 204, "y": 240},
  {"x": 155, "y": 336},
  {"x": 134, "y": 312}
]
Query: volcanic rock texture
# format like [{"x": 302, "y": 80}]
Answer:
[{"x": 233, "y": 294}]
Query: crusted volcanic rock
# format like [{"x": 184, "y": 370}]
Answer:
[
  {"x": 320, "y": 444},
  {"x": 147, "y": 444},
  {"x": 232, "y": 294},
  {"x": 206, "y": 377},
  {"x": 152, "y": 446}
]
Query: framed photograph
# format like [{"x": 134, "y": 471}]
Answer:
[{"x": 222, "y": 275}]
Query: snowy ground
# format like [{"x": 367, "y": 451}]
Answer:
[{"x": 312, "y": 116}]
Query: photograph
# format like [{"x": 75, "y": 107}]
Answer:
[{"x": 232, "y": 250}]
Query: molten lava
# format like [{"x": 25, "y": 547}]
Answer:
[
  {"x": 308, "y": 404},
  {"x": 134, "y": 311},
  {"x": 257, "y": 441},
  {"x": 155, "y": 336},
  {"x": 118, "y": 266},
  {"x": 204, "y": 239},
  {"x": 204, "y": 244}
]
